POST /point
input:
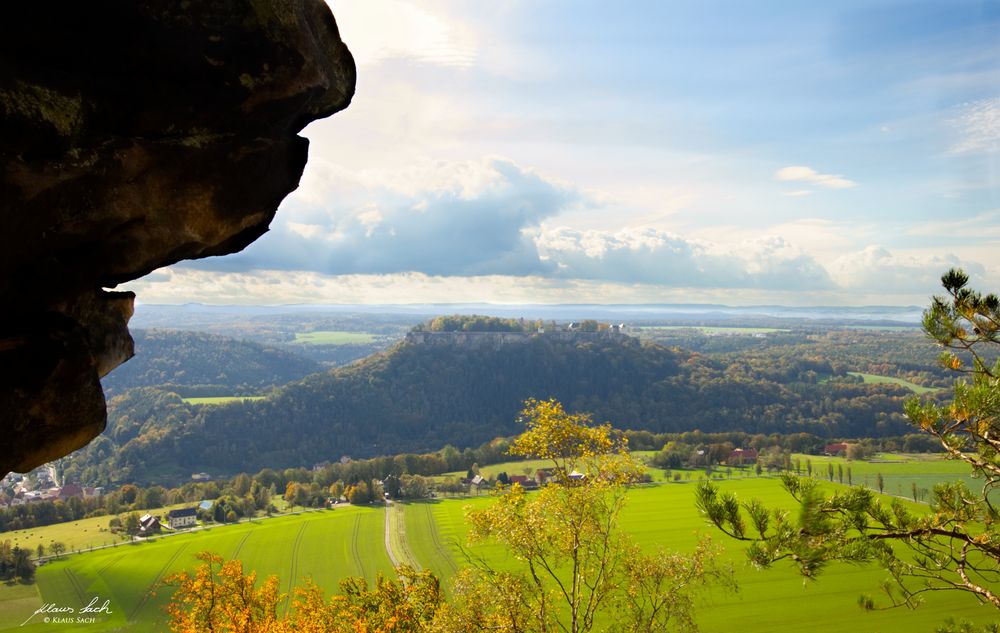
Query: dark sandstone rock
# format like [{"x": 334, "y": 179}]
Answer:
[{"x": 134, "y": 135}]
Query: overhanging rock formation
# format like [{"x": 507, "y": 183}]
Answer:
[{"x": 133, "y": 135}]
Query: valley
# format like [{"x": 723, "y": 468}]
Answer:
[{"x": 328, "y": 545}]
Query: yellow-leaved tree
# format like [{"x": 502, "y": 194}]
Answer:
[
  {"x": 578, "y": 570},
  {"x": 218, "y": 597}
]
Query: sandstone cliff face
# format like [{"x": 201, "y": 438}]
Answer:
[{"x": 133, "y": 135}]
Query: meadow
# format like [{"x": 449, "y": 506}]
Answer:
[
  {"x": 325, "y": 545},
  {"x": 333, "y": 337},
  {"x": 76, "y": 535},
  {"x": 771, "y": 600},
  {"x": 876, "y": 379},
  {"x": 328, "y": 545}
]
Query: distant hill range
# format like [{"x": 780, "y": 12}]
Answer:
[{"x": 464, "y": 388}]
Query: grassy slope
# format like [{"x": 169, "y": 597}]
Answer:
[
  {"x": 76, "y": 535},
  {"x": 877, "y": 379},
  {"x": 325, "y": 546}
]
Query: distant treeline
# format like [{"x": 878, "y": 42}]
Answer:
[
  {"x": 460, "y": 323},
  {"x": 418, "y": 398},
  {"x": 794, "y": 442},
  {"x": 222, "y": 366},
  {"x": 244, "y": 494}
]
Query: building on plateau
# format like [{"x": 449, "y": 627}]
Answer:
[{"x": 183, "y": 517}]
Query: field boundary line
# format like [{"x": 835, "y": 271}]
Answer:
[{"x": 156, "y": 581}]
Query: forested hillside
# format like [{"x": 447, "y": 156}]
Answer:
[
  {"x": 422, "y": 396},
  {"x": 195, "y": 363}
]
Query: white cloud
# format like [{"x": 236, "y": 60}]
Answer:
[
  {"x": 381, "y": 30},
  {"x": 875, "y": 269},
  {"x": 801, "y": 173},
  {"x": 650, "y": 256},
  {"x": 978, "y": 127},
  {"x": 439, "y": 218}
]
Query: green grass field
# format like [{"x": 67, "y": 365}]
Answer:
[
  {"x": 875, "y": 379},
  {"x": 899, "y": 471},
  {"x": 325, "y": 546},
  {"x": 333, "y": 337},
  {"x": 331, "y": 544},
  {"x": 772, "y": 600},
  {"x": 220, "y": 399},
  {"x": 17, "y": 603},
  {"x": 75, "y": 535}
]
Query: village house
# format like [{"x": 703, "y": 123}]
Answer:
[
  {"x": 837, "y": 448},
  {"x": 149, "y": 524},
  {"x": 183, "y": 517},
  {"x": 741, "y": 456},
  {"x": 71, "y": 490}
]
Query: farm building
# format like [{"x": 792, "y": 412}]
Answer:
[
  {"x": 182, "y": 517},
  {"x": 149, "y": 524}
]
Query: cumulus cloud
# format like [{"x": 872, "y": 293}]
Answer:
[
  {"x": 978, "y": 127},
  {"x": 875, "y": 269},
  {"x": 647, "y": 255},
  {"x": 801, "y": 173},
  {"x": 440, "y": 218}
]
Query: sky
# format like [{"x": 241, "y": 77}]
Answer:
[{"x": 542, "y": 151}]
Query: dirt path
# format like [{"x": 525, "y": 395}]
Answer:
[
  {"x": 388, "y": 535},
  {"x": 396, "y": 545}
]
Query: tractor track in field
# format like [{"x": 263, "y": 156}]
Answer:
[
  {"x": 100, "y": 572},
  {"x": 295, "y": 563},
  {"x": 75, "y": 582},
  {"x": 436, "y": 540},
  {"x": 156, "y": 581},
  {"x": 355, "y": 552},
  {"x": 239, "y": 546}
]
